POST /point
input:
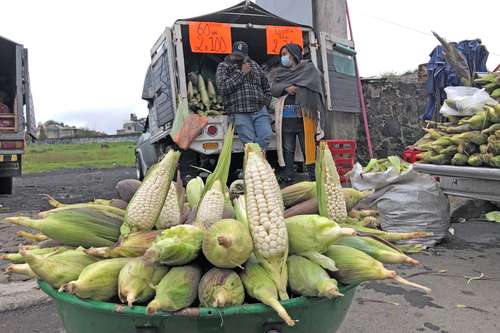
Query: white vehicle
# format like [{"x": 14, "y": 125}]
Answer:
[{"x": 172, "y": 59}]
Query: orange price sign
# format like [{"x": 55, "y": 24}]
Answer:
[
  {"x": 210, "y": 37},
  {"x": 277, "y": 36}
]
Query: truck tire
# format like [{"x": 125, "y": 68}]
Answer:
[
  {"x": 138, "y": 168},
  {"x": 5, "y": 185}
]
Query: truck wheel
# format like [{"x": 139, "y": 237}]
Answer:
[
  {"x": 138, "y": 168},
  {"x": 5, "y": 185}
]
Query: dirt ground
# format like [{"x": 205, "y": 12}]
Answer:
[{"x": 68, "y": 186}]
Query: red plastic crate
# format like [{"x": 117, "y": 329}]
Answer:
[{"x": 344, "y": 155}]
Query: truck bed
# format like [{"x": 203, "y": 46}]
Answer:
[{"x": 469, "y": 182}]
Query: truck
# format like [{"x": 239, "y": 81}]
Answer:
[
  {"x": 174, "y": 57},
  {"x": 17, "y": 119}
]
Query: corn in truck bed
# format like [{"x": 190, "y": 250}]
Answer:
[{"x": 469, "y": 182}]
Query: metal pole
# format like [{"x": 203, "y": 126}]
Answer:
[{"x": 360, "y": 89}]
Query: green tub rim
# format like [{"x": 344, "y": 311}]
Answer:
[{"x": 202, "y": 312}]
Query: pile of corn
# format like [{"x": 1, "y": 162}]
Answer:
[
  {"x": 202, "y": 96},
  {"x": 463, "y": 141},
  {"x": 175, "y": 247}
]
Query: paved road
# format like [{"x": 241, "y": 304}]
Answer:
[{"x": 475, "y": 250}]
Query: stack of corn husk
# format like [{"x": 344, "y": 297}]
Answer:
[
  {"x": 151, "y": 254},
  {"x": 202, "y": 96},
  {"x": 464, "y": 141}
]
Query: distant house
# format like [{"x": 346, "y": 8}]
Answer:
[
  {"x": 54, "y": 130},
  {"x": 134, "y": 125}
]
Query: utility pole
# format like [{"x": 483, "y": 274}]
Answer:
[{"x": 330, "y": 16}]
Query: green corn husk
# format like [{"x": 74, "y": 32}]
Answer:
[
  {"x": 98, "y": 281},
  {"x": 467, "y": 148},
  {"x": 456, "y": 129},
  {"x": 353, "y": 197},
  {"x": 450, "y": 150},
  {"x": 221, "y": 288},
  {"x": 493, "y": 112},
  {"x": 443, "y": 141},
  {"x": 77, "y": 227},
  {"x": 259, "y": 285},
  {"x": 22, "y": 269},
  {"x": 298, "y": 192},
  {"x": 411, "y": 248},
  {"x": 493, "y": 147},
  {"x": 313, "y": 233},
  {"x": 459, "y": 159},
  {"x": 388, "y": 236},
  {"x": 135, "y": 281},
  {"x": 363, "y": 213},
  {"x": 483, "y": 149},
  {"x": 474, "y": 137},
  {"x": 240, "y": 209},
  {"x": 382, "y": 251},
  {"x": 178, "y": 245},
  {"x": 307, "y": 278},
  {"x": 17, "y": 258},
  {"x": 194, "y": 190},
  {"x": 493, "y": 216},
  {"x": 478, "y": 122},
  {"x": 108, "y": 210},
  {"x": 177, "y": 290},
  {"x": 32, "y": 237},
  {"x": 355, "y": 266},
  {"x": 134, "y": 244},
  {"x": 475, "y": 160},
  {"x": 227, "y": 243},
  {"x": 205, "y": 99},
  {"x": 491, "y": 160},
  {"x": 439, "y": 159},
  {"x": 492, "y": 129},
  {"x": 59, "y": 267}
]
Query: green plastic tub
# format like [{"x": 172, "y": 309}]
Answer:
[{"x": 314, "y": 315}]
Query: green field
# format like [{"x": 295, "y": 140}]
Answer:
[{"x": 43, "y": 157}]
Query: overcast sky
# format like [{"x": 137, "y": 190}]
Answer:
[{"x": 88, "y": 58}]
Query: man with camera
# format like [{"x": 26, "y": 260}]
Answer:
[{"x": 246, "y": 93}]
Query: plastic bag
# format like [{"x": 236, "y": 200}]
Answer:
[
  {"x": 464, "y": 101},
  {"x": 187, "y": 126},
  {"x": 414, "y": 202},
  {"x": 363, "y": 181}
]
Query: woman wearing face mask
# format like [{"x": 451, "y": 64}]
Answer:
[{"x": 298, "y": 85}]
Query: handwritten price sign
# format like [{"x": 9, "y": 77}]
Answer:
[
  {"x": 277, "y": 36},
  {"x": 210, "y": 37}
]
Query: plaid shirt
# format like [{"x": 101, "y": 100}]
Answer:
[{"x": 242, "y": 93}]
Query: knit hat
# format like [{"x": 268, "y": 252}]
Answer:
[{"x": 295, "y": 50}]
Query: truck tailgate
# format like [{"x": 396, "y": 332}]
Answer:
[{"x": 469, "y": 182}]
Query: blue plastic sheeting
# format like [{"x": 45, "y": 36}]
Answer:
[{"x": 441, "y": 75}]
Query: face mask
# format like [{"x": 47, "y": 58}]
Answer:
[{"x": 285, "y": 61}]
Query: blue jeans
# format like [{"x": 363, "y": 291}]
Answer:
[{"x": 254, "y": 127}]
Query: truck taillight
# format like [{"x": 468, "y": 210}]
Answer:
[
  {"x": 18, "y": 144},
  {"x": 212, "y": 130}
]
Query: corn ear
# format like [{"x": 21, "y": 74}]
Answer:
[
  {"x": 59, "y": 267},
  {"x": 32, "y": 237},
  {"x": 260, "y": 286},
  {"x": 221, "y": 288},
  {"x": 378, "y": 249},
  {"x": 194, "y": 190},
  {"x": 135, "y": 281},
  {"x": 17, "y": 258},
  {"x": 177, "y": 289},
  {"x": 146, "y": 204},
  {"x": 355, "y": 266},
  {"x": 308, "y": 279},
  {"x": 329, "y": 190},
  {"x": 98, "y": 281},
  {"x": 389, "y": 236},
  {"x": 77, "y": 227},
  {"x": 211, "y": 207},
  {"x": 134, "y": 244},
  {"x": 298, "y": 192},
  {"x": 265, "y": 211},
  {"x": 22, "y": 269},
  {"x": 172, "y": 212}
]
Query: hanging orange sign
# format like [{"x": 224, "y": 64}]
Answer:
[
  {"x": 277, "y": 36},
  {"x": 210, "y": 37}
]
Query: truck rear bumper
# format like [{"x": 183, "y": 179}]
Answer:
[
  {"x": 469, "y": 182},
  {"x": 10, "y": 165}
]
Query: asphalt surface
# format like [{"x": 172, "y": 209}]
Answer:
[{"x": 453, "y": 306}]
